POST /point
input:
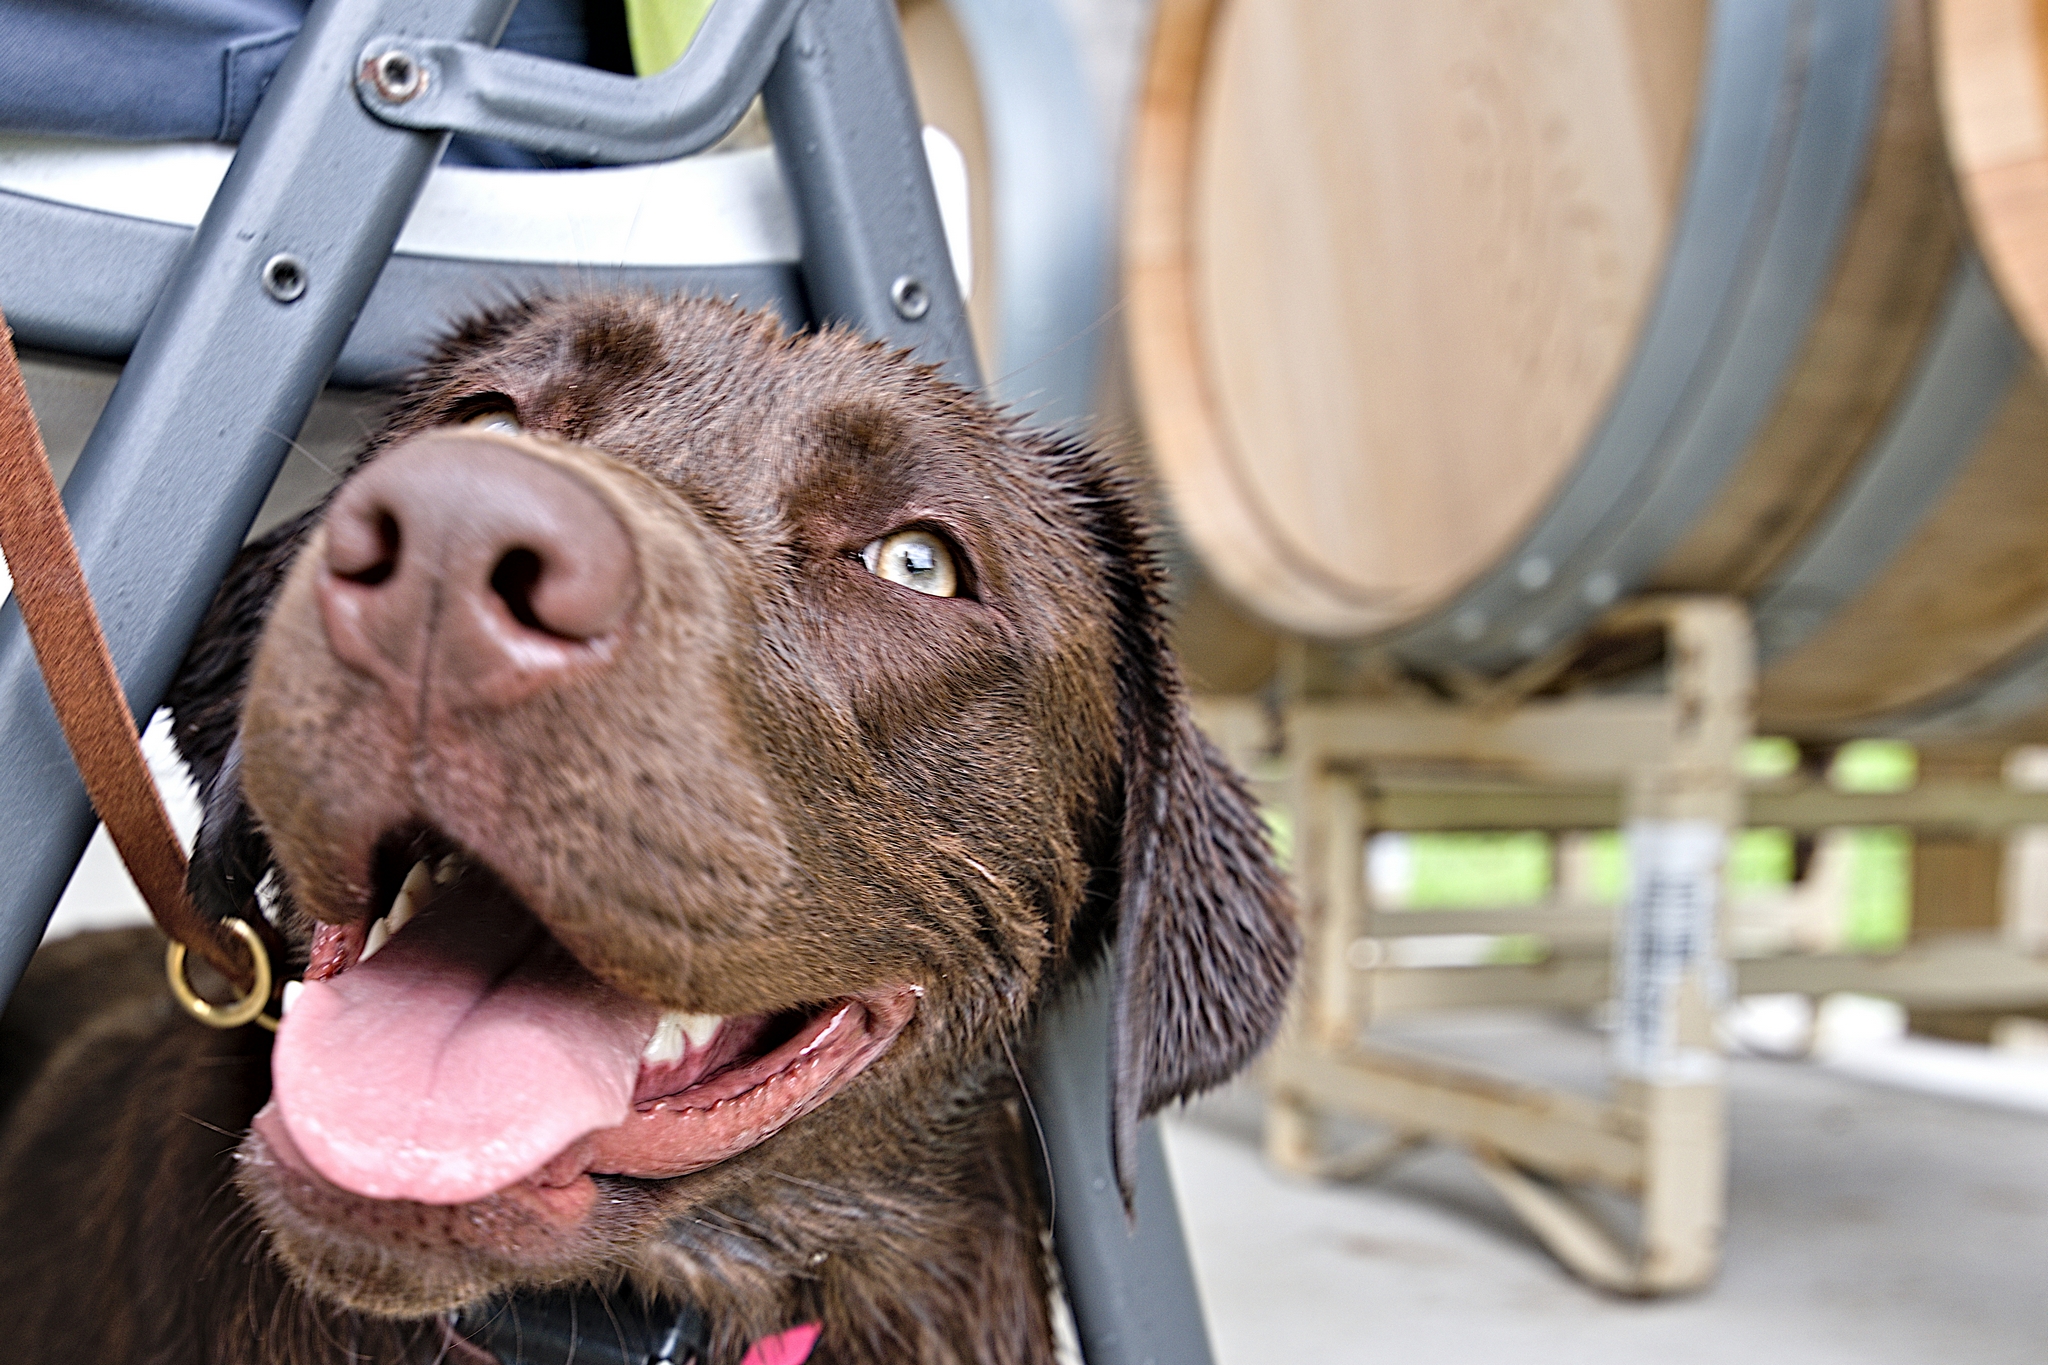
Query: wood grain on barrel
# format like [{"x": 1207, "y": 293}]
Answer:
[
  {"x": 1386, "y": 263},
  {"x": 1166, "y": 362}
]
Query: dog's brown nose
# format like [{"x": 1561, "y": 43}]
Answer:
[{"x": 460, "y": 563}]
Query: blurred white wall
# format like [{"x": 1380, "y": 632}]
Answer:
[{"x": 101, "y": 894}]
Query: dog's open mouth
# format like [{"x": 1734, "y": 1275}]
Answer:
[{"x": 452, "y": 1049}]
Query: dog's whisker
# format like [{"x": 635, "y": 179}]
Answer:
[
  {"x": 304, "y": 452},
  {"x": 209, "y": 1127},
  {"x": 1052, "y": 1193},
  {"x": 235, "y": 1234},
  {"x": 809, "y": 1184},
  {"x": 991, "y": 877},
  {"x": 732, "y": 1224},
  {"x": 1102, "y": 319}
]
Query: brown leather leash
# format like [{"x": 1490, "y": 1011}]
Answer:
[{"x": 79, "y": 672}]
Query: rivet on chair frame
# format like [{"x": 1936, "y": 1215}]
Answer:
[
  {"x": 397, "y": 75},
  {"x": 284, "y": 277},
  {"x": 911, "y": 298}
]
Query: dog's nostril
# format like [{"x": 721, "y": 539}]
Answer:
[
  {"x": 460, "y": 563},
  {"x": 514, "y": 579},
  {"x": 365, "y": 549},
  {"x": 386, "y": 564}
]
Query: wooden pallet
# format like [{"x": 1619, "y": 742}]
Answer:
[{"x": 1666, "y": 768}]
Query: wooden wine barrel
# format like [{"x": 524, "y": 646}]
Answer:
[
  {"x": 1992, "y": 66},
  {"x": 1453, "y": 323}
]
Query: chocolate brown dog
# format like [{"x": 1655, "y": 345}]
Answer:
[{"x": 684, "y": 757}]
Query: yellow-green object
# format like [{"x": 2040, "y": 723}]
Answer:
[
  {"x": 1279, "y": 834},
  {"x": 660, "y": 31},
  {"x": 1875, "y": 765},
  {"x": 1880, "y": 889},
  {"x": 1769, "y": 756},
  {"x": 1471, "y": 871}
]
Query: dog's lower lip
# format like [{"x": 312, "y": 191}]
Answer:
[
  {"x": 458, "y": 993},
  {"x": 735, "y": 1108},
  {"x": 744, "y": 1104},
  {"x": 742, "y": 1066},
  {"x": 435, "y": 1017}
]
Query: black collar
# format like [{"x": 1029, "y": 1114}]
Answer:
[{"x": 584, "y": 1327}]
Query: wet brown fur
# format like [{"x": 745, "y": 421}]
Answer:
[{"x": 796, "y": 782}]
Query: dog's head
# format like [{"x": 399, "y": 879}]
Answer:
[{"x": 687, "y": 755}]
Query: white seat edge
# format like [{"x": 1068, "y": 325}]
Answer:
[{"x": 718, "y": 209}]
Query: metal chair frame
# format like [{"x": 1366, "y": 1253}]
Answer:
[{"x": 230, "y": 331}]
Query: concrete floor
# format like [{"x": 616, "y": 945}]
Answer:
[{"x": 1867, "y": 1225}]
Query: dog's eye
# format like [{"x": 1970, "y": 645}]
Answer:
[
  {"x": 918, "y": 560},
  {"x": 495, "y": 419}
]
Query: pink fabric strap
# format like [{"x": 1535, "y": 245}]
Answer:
[{"x": 784, "y": 1348}]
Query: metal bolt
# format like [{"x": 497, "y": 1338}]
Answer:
[
  {"x": 284, "y": 277},
  {"x": 1469, "y": 624},
  {"x": 397, "y": 76},
  {"x": 1534, "y": 573},
  {"x": 910, "y": 297}
]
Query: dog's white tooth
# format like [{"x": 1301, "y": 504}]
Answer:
[
  {"x": 417, "y": 891},
  {"x": 667, "y": 1043},
  {"x": 698, "y": 1028},
  {"x": 291, "y": 994},
  {"x": 445, "y": 870},
  {"x": 379, "y": 935},
  {"x": 676, "y": 1027}
]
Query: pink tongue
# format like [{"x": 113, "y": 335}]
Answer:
[{"x": 458, "y": 1060}]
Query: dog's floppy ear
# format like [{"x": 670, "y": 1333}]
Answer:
[{"x": 1206, "y": 938}]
